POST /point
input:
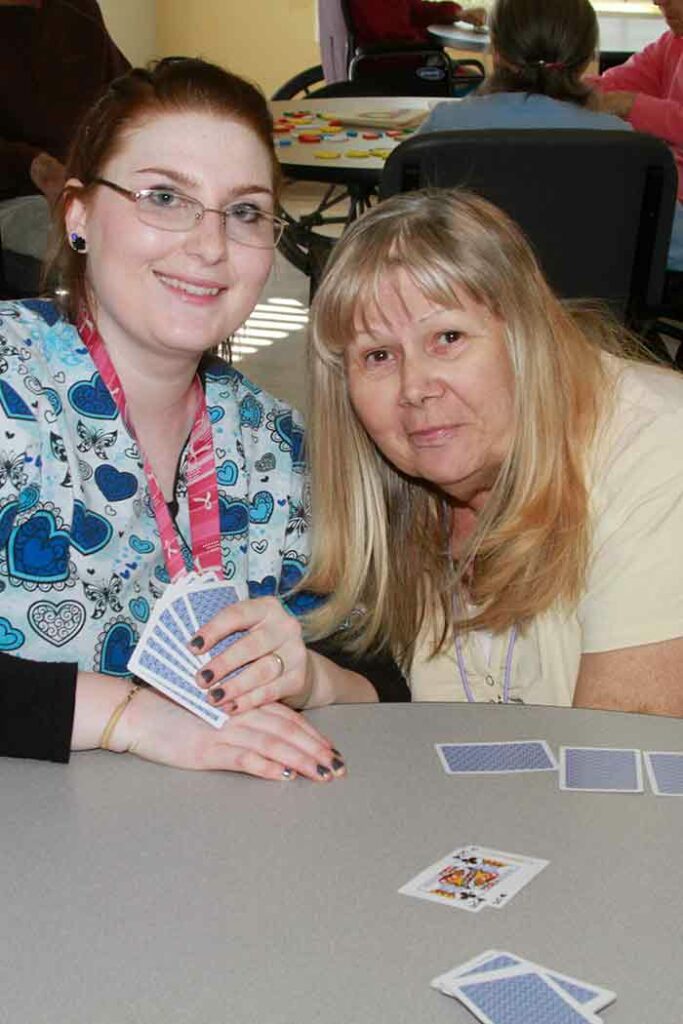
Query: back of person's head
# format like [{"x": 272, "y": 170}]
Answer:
[
  {"x": 542, "y": 46},
  {"x": 170, "y": 86}
]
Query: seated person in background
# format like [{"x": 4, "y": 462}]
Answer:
[
  {"x": 405, "y": 21},
  {"x": 131, "y": 455},
  {"x": 55, "y": 59},
  {"x": 516, "y": 478},
  {"x": 647, "y": 91},
  {"x": 540, "y": 51}
]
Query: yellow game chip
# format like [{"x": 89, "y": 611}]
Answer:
[
  {"x": 383, "y": 154},
  {"x": 326, "y": 154},
  {"x": 358, "y": 154},
  {"x": 333, "y": 129}
]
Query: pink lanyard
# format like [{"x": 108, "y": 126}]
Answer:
[{"x": 202, "y": 486}]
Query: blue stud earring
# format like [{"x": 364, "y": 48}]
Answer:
[{"x": 77, "y": 242}]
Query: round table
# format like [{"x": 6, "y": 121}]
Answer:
[
  {"x": 137, "y": 894},
  {"x": 618, "y": 34}
]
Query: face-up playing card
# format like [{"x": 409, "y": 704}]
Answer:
[
  {"x": 665, "y": 772},
  {"x": 491, "y": 758},
  {"x": 601, "y": 769},
  {"x": 473, "y": 877},
  {"x": 591, "y": 997},
  {"x": 519, "y": 995}
]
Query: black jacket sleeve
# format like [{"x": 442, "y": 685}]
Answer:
[
  {"x": 379, "y": 669},
  {"x": 37, "y": 701}
]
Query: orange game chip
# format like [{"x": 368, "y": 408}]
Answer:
[
  {"x": 372, "y": 135},
  {"x": 309, "y": 137}
]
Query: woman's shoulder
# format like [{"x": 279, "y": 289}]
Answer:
[
  {"x": 26, "y": 324},
  {"x": 640, "y": 435}
]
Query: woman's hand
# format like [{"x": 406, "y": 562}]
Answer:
[
  {"x": 474, "y": 16},
  {"x": 271, "y": 657},
  {"x": 271, "y": 661},
  {"x": 272, "y": 742}
]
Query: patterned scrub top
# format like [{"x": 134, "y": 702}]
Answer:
[{"x": 80, "y": 559}]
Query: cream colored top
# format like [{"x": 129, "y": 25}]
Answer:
[{"x": 634, "y": 592}]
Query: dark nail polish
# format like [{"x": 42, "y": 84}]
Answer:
[
  {"x": 336, "y": 752},
  {"x": 197, "y": 642},
  {"x": 207, "y": 675},
  {"x": 337, "y": 764},
  {"x": 287, "y": 773},
  {"x": 218, "y": 693},
  {"x": 322, "y": 771}
]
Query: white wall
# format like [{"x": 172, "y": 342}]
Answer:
[{"x": 132, "y": 24}]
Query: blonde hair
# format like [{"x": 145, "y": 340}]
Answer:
[{"x": 381, "y": 540}]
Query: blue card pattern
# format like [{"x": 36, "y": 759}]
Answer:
[
  {"x": 667, "y": 768},
  {"x": 581, "y": 993},
  {"x": 520, "y": 999},
  {"x": 184, "y": 690},
  {"x": 605, "y": 769},
  {"x": 496, "y": 757}
]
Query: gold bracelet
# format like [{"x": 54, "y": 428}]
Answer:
[{"x": 116, "y": 715}]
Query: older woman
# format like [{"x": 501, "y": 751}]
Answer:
[
  {"x": 129, "y": 455},
  {"x": 498, "y": 489}
]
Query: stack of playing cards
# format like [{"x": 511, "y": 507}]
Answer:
[
  {"x": 162, "y": 656},
  {"x": 502, "y": 988},
  {"x": 474, "y": 877},
  {"x": 665, "y": 771}
]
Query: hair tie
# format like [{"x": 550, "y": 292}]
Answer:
[{"x": 547, "y": 65}]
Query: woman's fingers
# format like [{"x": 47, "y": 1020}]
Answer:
[{"x": 268, "y": 663}]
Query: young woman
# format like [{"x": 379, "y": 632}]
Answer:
[{"x": 130, "y": 455}]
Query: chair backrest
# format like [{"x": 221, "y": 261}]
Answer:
[{"x": 596, "y": 205}]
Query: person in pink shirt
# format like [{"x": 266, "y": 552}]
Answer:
[{"x": 647, "y": 91}]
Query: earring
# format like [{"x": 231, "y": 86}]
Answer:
[{"x": 77, "y": 242}]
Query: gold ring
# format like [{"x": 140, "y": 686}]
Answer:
[{"x": 280, "y": 664}]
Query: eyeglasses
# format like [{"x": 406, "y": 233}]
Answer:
[{"x": 168, "y": 210}]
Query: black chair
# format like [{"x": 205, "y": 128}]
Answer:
[{"x": 596, "y": 205}]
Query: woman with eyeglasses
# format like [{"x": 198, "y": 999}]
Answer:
[{"x": 131, "y": 455}]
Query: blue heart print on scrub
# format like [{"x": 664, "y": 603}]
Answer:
[
  {"x": 262, "y": 505},
  {"x": 251, "y": 412},
  {"x": 116, "y": 485},
  {"x": 140, "y": 546},
  {"x": 7, "y": 516},
  {"x": 38, "y": 551},
  {"x": 262, "y": 588},
  {"x": 139, "y": 606},
  {"x": 161, "y": 574},
  {"x": 117, "y": 649},
  {"x": 14, "y": 406},
  {"x": 234, "y": 516},
  {"x": 91, "y": 398},
  {"x": 288, "y": 435},
  {"x": 227, "y": 473},
  {"x": 90, "y": 532},
  {"x": 28, "y": 497},
  {"x": 216, "y": 414},
  {"x": 11, "y": 638},
  {"x": 292, "y": 573}
]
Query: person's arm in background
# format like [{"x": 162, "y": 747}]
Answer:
[
  {"x": 423, "y": 13},
  {"x": 638, "y": 92}
]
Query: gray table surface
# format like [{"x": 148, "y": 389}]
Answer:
[
  {"x": 135, "y": 893},
  {"x": 618, "y": 34}
]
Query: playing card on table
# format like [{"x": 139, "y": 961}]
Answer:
[
  {"x": 162, "y": 656},
  {"x": 601, "y": 769},
  {"x": 473, "y": 877},
  {"x": 590, "y": 997},
  {"x": 665, "y": 772},
  {"x": 519, "y": 995},
  {"x": 491, "y": 758}
]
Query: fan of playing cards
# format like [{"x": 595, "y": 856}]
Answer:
[{"x": 162, "y": 656}]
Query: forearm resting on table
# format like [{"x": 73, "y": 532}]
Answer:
[
  {"x": 97, "y": 698},
  {"x": 646, "y": 679},
  {"x": 331, "y": 684}
]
